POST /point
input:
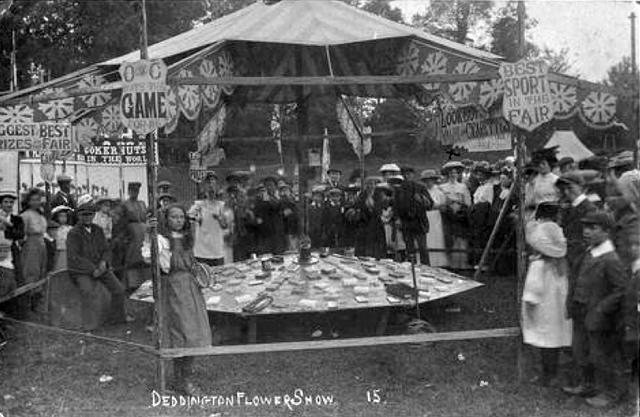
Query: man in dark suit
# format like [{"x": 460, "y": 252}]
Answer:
[
  {"x": 594, "y": 302},
  {"x": 63, "y": 197},
  {"x": 577, "y": 206},
  {"x": 88, "y": 258},
  {"x": 11, "y": 232}
]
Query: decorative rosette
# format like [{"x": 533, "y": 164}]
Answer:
[
  {"x": 408, "y": 61},
  {"x": 20, "y": 113},
  {"x": 490, "y": 92},
  {"x": 94, "y": 99},
  {"x": 434, "y": 63},
  {"x": 189, "y": 97},
  {"x": 56, "y": 109},
  {"x": 210, "y": 93},
  {"x": 460, "y": 92},
  {"x": 565, "y": 98},
  {"x": 599, "y": 108}
]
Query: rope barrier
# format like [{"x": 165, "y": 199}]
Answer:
[{"x": 146, "y": 348}]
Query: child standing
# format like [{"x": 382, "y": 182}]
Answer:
[
  {"x": 61, "y": 215},
  {"x": 187, "y": 323}
]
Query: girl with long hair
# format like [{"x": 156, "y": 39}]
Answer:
[{"x": 187, "y": 323}]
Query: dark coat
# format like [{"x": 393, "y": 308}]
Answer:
[
  {"x": 600, "y": 284},
  {"x": 86, "y": 250},
  {"x": 626, "y": 234},
  {"x": 333, "y": 224},
  {"x": 572, "y": 227},
  {"x": 315, "y": 225},
  {"x": 63, "y": 199},
  {"x": 290, "y": 220},
  {"x": 370, "y": 237},
  {"x": 15, "y": 233},
  {"x": 631, "y": 320},
  {"x": 411, "y": 203},
  {"x": 271, "y": 235}
]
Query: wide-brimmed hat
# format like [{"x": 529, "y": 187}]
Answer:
[
  {"x": 86, "y": 204},
  {"x": 545, "y": 154},
  {"x": 395, "y": 179},
  {"x": 571, "y": 178},
  {"x": 60, "y": 209},
  {"x": 429, "y": 174},
  {"x": 238, "y": 175},
  {"x": 161, "y": 197},
  {"x": 8, "y": 194},
  {"x": 452, "y": 165},
  {"x": 390, "y": 168}
]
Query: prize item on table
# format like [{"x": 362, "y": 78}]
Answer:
[
  {"x": 259, "y": 304},
  {"x": 400, "y": 290},
  {"x": 332, "y": 305},
  {"x": 361, "y": 299}
]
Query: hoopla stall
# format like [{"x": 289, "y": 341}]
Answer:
[{"x": 256, "y": 55}]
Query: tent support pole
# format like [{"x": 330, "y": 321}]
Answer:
[
  {"x": 152, "y": 179},
  {"x": 520, "y": 138}
]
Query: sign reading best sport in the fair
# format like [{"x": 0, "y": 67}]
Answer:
[
  {"x": 143, "y": 105},
  {"x": 49, "y": 136},
  {"x": 527, "y": 102}
]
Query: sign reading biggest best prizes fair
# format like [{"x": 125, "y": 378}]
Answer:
[
  {"x": 44, "y": 136},
  {"x": 143, "y": 105},
  {"x": 527, "y": 102}
]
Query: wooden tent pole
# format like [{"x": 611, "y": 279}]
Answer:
[
  {"x": 152, "y": 179},
  {"x": 520, "y": 138}
]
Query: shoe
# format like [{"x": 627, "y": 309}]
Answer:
[
  {"x": 602, "y": 400},
  {"x": 580, "y": 390}
]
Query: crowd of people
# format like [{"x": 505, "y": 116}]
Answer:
[{"x": 582, "y": 234}]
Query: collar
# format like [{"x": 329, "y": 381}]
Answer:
[
  {"x": 602, "y": 249},
  {"x": 578, "y": 200}
]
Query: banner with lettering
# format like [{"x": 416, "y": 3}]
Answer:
[
  {"x": 48, "y": 136},
  {"x": 474, "y": 129}
]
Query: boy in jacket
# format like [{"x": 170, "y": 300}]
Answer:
[{"x": 593, "y": 302}]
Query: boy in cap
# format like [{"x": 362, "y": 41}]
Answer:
[
  {"x": 335, "y": 175},
  {"x": 332, "y": 219},
  {"x": 63, "y": 196},
  {"x": 268, "y": 211},
  {"x": 593, "y": 303}
]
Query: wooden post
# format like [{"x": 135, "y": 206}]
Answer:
[
  {"x": 636, "y": 94},
  {"x": 302, "y": 126},
  {"x": 152, "y": 179},
  {"x": 521, "y": 155}
]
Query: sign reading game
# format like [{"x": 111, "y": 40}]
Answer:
[
  {"x": 143, "y": 105},
  {"x": 472, "y": 128},
  {"x": 527, "y": 102},
  {"x": 46, "y": 136}
]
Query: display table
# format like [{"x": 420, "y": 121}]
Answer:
[{"x": 328, "y": 284}]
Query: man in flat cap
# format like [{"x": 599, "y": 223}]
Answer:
[
  {"x": 89, "y": 259},
  {"x": 566, "y": 164},
  {"x": 316, "y": 208},
  {"x": 270, "y": 223},
  {"x": 334, "y": 178},
  {"x": 164, "y": 187},
  {"x": 63, "y": 196},
  {"x": 594, "y": 302}
]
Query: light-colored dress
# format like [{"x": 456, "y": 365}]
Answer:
[
  {"x": 33, "y": 256},
  {"x": 457, "y": 193},
  {"x": 60, "y": 263},
  {"x": 435, "y": 237},
  {"x": 187, "y": 323},
  {"x": 544, "y": 322},
  {"x": 209, "y": 235},
  {"x": 541, "y": 190}
]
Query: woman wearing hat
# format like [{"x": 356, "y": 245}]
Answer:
[
  {"x": 543, "y": 187},
  {"x": 62, "y": 216},
  {"x": 435, "y": 236},
  {"x": 33, "y": 257},
  {"x": 11, "y": 231},
  {"x": 370, "y": 237},
  {"x": 455, "y": 215},
  {"x": 544, "y": 317}
]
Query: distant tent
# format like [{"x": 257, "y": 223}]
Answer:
[{"x": 568, "y": 145}]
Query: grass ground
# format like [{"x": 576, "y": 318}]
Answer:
[{"x": 48, "y": 374}]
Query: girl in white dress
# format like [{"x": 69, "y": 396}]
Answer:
[{"x": 435, "y": 237}]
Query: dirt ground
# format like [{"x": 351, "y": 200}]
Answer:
[{"x": 44, "y": 373}]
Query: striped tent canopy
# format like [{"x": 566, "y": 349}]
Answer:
[{"x": 294, "y": 38}]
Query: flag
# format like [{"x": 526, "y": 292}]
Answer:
[
  {"x": 351, "y": 131},
  {"x": 326, "y": 156}
]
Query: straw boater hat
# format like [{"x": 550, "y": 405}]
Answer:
[
  {"x": 429, "y": 174},
  {"x": 60, "y": 209},
  {"x": 85, "y": 204},
  {"x": 452, "y": 165},
  {"x": 103, "y": 199},
  {"x": 8, "y": 194},
  {"x": 390, "y": 168}
]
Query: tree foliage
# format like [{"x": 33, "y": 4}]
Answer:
[{"x": 454, "y": 20}]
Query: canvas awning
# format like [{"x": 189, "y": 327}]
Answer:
[
  {"x": 568, "y": 145},
  {"x": 286, "y": 39}
]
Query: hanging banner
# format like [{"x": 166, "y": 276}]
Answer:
[
  {"x": 36, "y": 137},
  {"x": 144, "y": 103},
  {"x": 528, "y": 101},
  {"x": 472, "y": 128},
  {"x": 197, "y": 171}
]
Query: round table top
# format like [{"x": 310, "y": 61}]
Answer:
[{"x": 331, "y": 283}]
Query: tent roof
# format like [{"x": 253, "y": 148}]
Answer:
[
  {"x": 569, "y": 145},
  {"x": 300, "y": 22}
]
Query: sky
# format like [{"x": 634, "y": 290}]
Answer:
[{"x": 597, "y": 32}]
